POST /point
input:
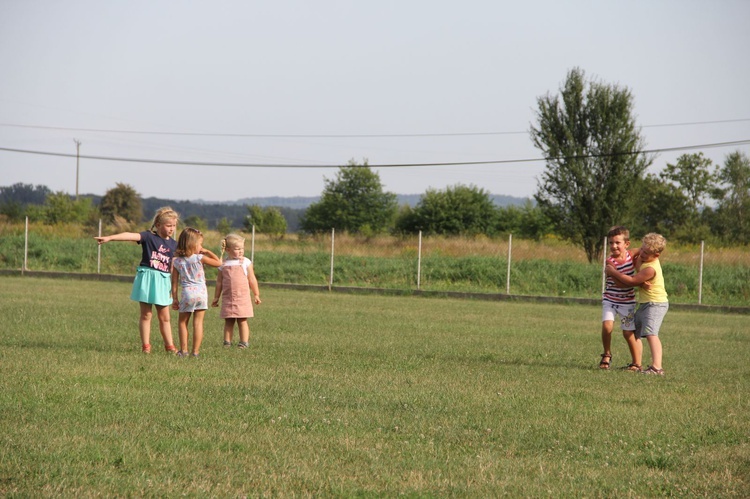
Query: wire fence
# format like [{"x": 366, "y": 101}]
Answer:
[{"x": 699, "y": 274}]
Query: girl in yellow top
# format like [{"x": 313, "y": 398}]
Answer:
[{"x": 652, "y": 296}]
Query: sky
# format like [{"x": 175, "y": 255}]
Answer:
[{"x": 303, "y": 87}]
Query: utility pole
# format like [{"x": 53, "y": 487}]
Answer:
[{"x": 78, "y": 153}]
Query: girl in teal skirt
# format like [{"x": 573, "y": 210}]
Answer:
[{"x": 152, "y": 286}]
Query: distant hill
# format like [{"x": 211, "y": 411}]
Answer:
[
  {"x": 301, "y": 202},
  {"x": 295, "y": 202},
  {"x": 291, "y": 207}
]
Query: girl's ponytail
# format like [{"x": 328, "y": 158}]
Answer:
[{"x": 223, "y": 247}]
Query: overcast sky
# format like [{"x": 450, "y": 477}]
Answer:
[{"x": 318, "y": 82}]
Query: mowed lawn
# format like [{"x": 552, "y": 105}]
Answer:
[{"x": 364, "y": 395}]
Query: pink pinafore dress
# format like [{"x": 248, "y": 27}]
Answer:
[{"x": 235, "y": 294}]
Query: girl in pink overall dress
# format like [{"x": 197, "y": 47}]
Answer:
[{"x": 234, "y": 283}]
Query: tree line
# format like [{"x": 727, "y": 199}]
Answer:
[{"x": 40, "y": 204}]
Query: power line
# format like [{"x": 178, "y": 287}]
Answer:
[
  {"x": 329, "y": 136},
  {"x": 392, "y": 165}
]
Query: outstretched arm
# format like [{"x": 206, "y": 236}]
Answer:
[{"x": 122, "y": 236}]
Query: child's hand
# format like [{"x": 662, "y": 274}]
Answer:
[
  {"x": 101, "y": 239},
  {"x": 215, "y": 303},
  {"x": 175, "y": 304},
  {"x": 257, "y": 300},
  {"x": 646, "y": 285}
]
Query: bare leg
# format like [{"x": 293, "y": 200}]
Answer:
[
  {"x": 165, "y": 327},
  {"x": 607, "y": 336},
  {"x": 182, "y": 327},
  {"x": 228, "y": 330},
  {"x": 654, "y": 343},
  {"x": 607, "y": 344},
  {"x": 244, "y": 328},
  {"x": 198, "y": 330},
  {"x": 144, "y": 323},
  {"x": 635, "y": 346}
]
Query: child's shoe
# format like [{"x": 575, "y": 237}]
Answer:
[
  {"x": 604, "y": 364},
  {"x": 635, "y": 368},
  {"x": 182, "y": 354},
  {"x": 227, "y": 343},
  {"x": 653, "y": 370},
  {"x": 146, "y": 348},
  {"x": 170, "y": 348},
  {"x": 242, "y": 344}
]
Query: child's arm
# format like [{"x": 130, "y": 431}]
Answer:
[
  {"x": 175, "y": 287},
  {"x": 253, "y": 281},
  {"x": 217, "y": 294},
  {"x": 636, "y": 256},
  {"x": 122, "y": 236},
  {"x": 210, "y": 258},
  {"x": 642, "y": 276},
  {"x": 618, "y": 283}
]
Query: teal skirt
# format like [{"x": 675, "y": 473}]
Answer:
[{"x": 152, "y": 286}]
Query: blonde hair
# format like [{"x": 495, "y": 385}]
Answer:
[
  {"x": 654, "y": 243},
  {"x": 188, "y": 242},
  {"x": 230, "y": 241},
  {"x": 164, "y": 214}
]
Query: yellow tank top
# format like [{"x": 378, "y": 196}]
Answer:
[{"x": 657, "y": 293}]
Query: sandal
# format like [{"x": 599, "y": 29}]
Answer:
[
  {"x": 227, "y": 343},
  {"x": 604, "y": 364},
  {"x": 242, "y": 344},
  {"x": 146, "y": 348},
  {"x": 632, "y": 367},
  {"x": 653, "y": 370},
  {"x": 170, "y": 348}
]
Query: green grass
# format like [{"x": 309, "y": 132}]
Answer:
[{"x": 361, "y": 395}]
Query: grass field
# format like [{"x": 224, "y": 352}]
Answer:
[{"x": 361, "y": 395}]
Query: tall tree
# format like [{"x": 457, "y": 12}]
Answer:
[
  {"x": 122, "y": 201},
  {"x": 593, "y": 153},
  {"x": 733, "y": 196},
  {"x": 692, "y": 182},
  {"x": 353, "y": 202},
  {"x": 692, "y": 173}
]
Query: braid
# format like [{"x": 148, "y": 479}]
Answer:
[{"x": 223, "y": 247}]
